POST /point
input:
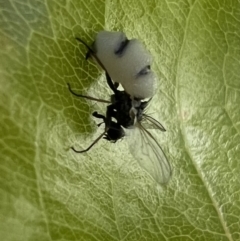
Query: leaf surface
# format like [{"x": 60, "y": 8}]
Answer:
[{"x": 50, "y": 193}]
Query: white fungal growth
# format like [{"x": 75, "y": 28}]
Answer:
[{"x": 127, "y": 62}]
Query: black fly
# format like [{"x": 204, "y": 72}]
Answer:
[{"x": 126, "y": 112}]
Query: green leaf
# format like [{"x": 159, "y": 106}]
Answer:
[{"x": 48, "y": 192}]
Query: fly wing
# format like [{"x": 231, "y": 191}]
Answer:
[
  {"x": 151, "y": 123},
  {"x": 150, "y": 155}
]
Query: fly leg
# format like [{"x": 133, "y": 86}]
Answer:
[
  {"x": 99, "y": 116},
  {"x": 90, "y": 50},
  {"x": 86, "y": 96},
  {"x": 113, "y": 86},
  {"x": 87, "y": 149},
  {"x": 95, "y": 114}
]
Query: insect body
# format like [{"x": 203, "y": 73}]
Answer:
[{"x": 126, "y": 108}]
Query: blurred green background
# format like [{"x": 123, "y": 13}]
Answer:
[{"x": 50, "y": 193}]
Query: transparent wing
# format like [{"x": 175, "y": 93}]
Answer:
[
  {"x": 151, "y": 123},
  {"x": 149, "y": 154}
]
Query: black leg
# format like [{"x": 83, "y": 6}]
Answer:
[
  {"x": 87, "y": 97},
  {"x": 87, "y": 149},
  {"x": 90, "y": 50},
  {"x": 99, "y": 116},
  {"x": 110, "y": 83},
  {"x": 100, "y": 124}
]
